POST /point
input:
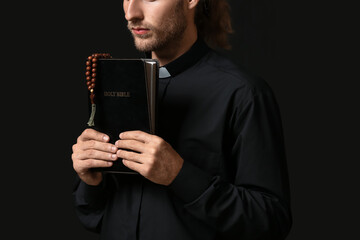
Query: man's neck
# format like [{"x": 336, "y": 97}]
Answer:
[{"x": 174, "y": 50}]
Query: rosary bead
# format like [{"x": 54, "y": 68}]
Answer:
[{"x": 91, "y": 65}]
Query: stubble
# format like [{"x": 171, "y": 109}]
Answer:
[{"x": 168, "y": 33}]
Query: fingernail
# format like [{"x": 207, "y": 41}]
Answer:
[
  {"x": 113, "y": 148},
  {"x": 120, "y": 135},
  {"x": 106, "y": 138},
  {"x": 113, "y": 156}
]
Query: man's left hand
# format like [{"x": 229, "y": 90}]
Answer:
[{"x": 153, "y": 158}]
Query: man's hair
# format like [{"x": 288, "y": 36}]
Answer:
[{"x": 213, "y": 21}]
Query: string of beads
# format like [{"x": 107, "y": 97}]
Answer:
[{"x": 90, "y": 73}]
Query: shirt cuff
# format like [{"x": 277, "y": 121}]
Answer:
[
  {"x": 89, "y": 193},
  {"x": 190, "y": 183}
]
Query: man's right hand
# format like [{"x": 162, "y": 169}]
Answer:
[{"x": 92, "y": 150}]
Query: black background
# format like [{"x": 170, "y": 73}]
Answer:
[{"x": 304, "y": 50}]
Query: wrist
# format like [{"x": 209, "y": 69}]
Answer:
[{"x": 91, "y": 179}]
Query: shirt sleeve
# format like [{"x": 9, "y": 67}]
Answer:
[
  {"x": 89, "y": 204},
  {"x": 255, "y": 202}
]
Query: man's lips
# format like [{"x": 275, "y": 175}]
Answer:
[{"x": 140, "y": 31}]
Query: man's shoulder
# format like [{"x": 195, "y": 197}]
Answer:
[{"x": 222, "y": 70}]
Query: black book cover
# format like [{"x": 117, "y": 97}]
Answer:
[{"x": 125, "y": 99}]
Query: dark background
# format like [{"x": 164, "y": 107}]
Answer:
[{"x": 306, "y": 51}]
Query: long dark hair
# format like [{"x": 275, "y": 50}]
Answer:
[{"x": 213, "y": 22}]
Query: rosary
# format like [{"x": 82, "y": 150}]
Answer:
[{"x": 91, "y": 65}]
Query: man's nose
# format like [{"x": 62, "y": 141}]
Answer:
[{"x": 133, "y": 10}]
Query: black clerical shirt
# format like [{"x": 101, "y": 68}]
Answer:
[{"x": 226, "y": 125}]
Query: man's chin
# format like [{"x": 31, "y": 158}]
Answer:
[{"x": 144, "y": 45}]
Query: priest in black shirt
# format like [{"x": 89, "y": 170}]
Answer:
[{"x": 216, "y": 168}]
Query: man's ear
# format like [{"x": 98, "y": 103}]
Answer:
[{"x": 193, "y": 3}]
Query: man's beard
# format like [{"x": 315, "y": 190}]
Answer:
[{"x": 160, "y": 37}]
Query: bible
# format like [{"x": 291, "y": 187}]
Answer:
[{"x": 122, "y": 97}]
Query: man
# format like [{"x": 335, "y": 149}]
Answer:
[{"x": 216, "y": 167}]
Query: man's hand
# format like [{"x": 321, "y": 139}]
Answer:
[
  {"x": 153, "y": 158},
  {"x": 90, "y": 151}
]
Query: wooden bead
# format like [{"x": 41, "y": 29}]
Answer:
[{"x": 91, "y": 65}]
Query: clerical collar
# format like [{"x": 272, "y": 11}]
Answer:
[{"x": 185, "y": 61}]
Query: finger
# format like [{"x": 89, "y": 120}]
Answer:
[
  {"x": 131, "y": 145},
  {"x": 92, "y": 163},
  {"x": 104, "y": 147},
  {"x": 137, "y": 167},
  {"x": 136, "y": 135},
  {"x": 91, "y": 134},
  {"x": 131, "y": 156},
  {"x": 95, "y": 154}
]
